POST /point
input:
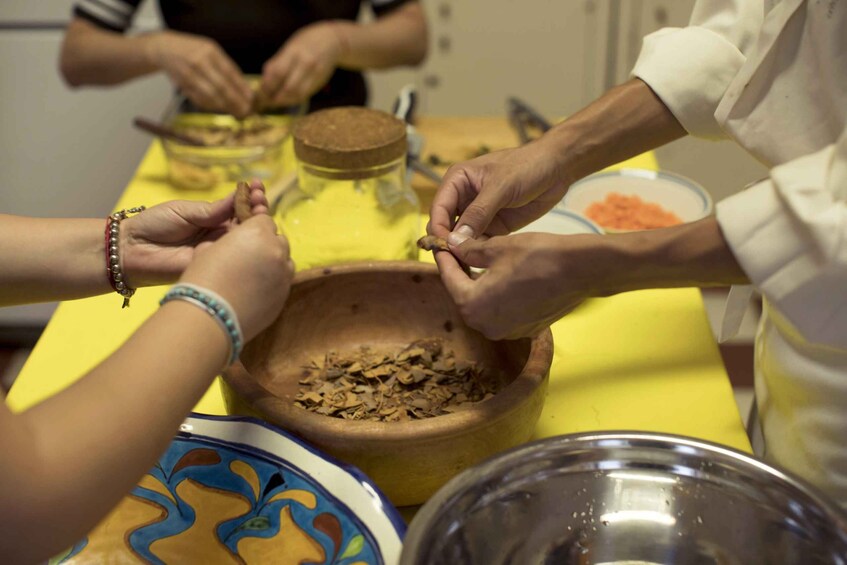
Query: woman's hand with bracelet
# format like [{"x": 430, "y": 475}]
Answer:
[
  {"x": 250, "y": 268},
  {"x": 157, "y": 245}
]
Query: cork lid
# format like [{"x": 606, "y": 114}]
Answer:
[{"x": 349, "y": 138}]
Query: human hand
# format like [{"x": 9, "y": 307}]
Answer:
[
  {"x": 251, "y": 268},
  {"x": 497, "y": 193},
  {"x": 202, "y": 71},
  {"x": 530, "y": 281},
  {"x": 158, "y": 244},
  {"x": 302, "y": 66}
]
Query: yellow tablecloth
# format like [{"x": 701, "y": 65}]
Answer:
[{"x": 642, "y": 360}]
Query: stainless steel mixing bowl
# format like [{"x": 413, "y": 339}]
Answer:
[{"x": 622, "y": 497}]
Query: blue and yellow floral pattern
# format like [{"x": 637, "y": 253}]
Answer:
[{"x": 212, "y": 502}]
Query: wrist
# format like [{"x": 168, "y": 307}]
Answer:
[
  {"x": 604, "y": 265},
  {"x": 128, "y": 246},
  {"x": 594, "y": 263},
  {"x": 629, "y": 261},
  {"x": 217, "y": 307},
  {"x": 203, "y": 329},
  {"x": 629, "y": 119},
  {"x": 690, "y": 255},
  {"x": 340, "y": 30},
  {"x": 570, "y": 147},
  {"x": 114, "y": 254},
  {"x": 151, "y": 44},
  {"x": 551, "y": 155}
]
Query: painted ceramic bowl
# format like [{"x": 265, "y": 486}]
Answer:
[
  {"x": 626, "y": 497},
  {"x": 674, "y": 194},
  {"x": 386, "y": 306},
  {"x": 236, "y": 490}
]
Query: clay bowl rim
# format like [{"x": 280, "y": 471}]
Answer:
[{"x": 533, "y": 376}]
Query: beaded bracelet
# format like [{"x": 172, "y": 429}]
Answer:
[
  {"x": 217, "y": 307},
  {"x": 113, "y": 260}
]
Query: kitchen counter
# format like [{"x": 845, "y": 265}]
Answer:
[{"x": 643, "y": 360}]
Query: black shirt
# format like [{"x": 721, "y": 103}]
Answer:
[{"x": 250, "y": 31}]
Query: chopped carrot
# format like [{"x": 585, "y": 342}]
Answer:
[{"x": 623, "y": 212}]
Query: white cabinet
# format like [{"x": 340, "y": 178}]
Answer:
[
  {"x": 63, "y": 153},
  {"x": 548, "y": 52}
]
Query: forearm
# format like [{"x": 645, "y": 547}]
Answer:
[
  {"x": 51, "y": 259},
  {"x": 398, "y": 38},
  {"x": 626, "y": 121},
  {"x": 86, "y": 447},
  {"x": 690, "y": 255},
  {"x": 91, "y": 55}
]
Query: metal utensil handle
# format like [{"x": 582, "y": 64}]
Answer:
[
  {"x": 406, "y": 103},
  {"x": 521, "y": 115}
]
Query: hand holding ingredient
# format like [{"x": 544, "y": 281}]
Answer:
[
  {"x": 530, "y": 281},
  {"x": 251, "y": 268},
  {"x": 302, "y": 66},
  {"x": 202, "y": 71},
  {"x": 497, "y": 193},
  {"x": 158, "y": 244}
]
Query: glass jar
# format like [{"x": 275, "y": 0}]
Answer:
[{"x": 351, "y": 201}]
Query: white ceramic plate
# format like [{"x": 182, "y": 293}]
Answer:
[
  {"x": 674, "y": 193},
  {"x": 562, "y": 222}
]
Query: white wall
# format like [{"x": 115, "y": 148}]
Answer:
[
  {"x": 63, "y": 153},
  {"x": 551, "y": 53}
]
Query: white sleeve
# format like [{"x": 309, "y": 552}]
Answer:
[
  {"x": 690, "y": 68},
  {"x": 115, "y": 15},
  {"x": 789, "y": 234}
]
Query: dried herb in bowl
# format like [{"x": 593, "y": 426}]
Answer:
[
  {"x": 248, "y": 133},
  {"x": 422, "y": 380}
]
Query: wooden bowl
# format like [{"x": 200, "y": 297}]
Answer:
[{"x": 388, "y": 305}]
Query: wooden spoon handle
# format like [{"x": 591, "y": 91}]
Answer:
[{"x": 166, "y": 132}]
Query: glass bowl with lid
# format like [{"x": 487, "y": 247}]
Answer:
[{"x": 351, "y": 201}]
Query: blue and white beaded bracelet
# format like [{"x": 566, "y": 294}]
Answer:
[{"x": 217, "y": 307}]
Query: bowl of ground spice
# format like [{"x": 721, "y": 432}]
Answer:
[
  {"x": 371, "y": 363},
  {"x": 637, "y": 199}
]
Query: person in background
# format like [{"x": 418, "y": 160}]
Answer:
[
  {"x": 68, "y": 461},
  {"x": 305, "y": 51},
  {"x": 769, "y": 75}
]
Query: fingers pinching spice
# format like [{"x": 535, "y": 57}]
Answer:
[
  {"x": 243, "y": 208},
  {"x": 432, "y": 243}
]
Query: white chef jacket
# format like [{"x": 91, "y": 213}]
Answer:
[{"x": 772, "y": 74}]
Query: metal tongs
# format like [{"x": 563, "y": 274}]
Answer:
[
  {"x": 523, "y": 118},
  {"x": 404, "y": 108}
]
